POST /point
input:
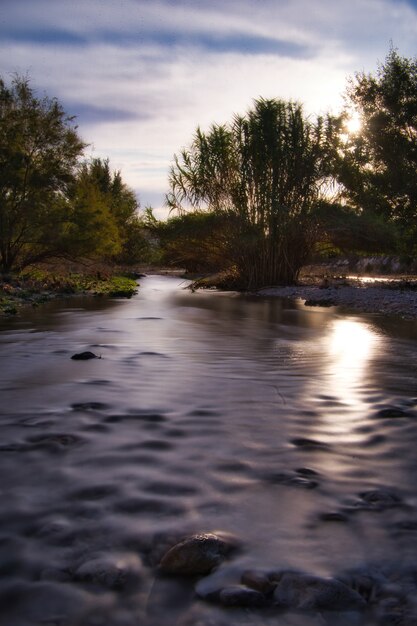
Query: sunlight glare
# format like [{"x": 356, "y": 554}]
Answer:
[
  {"x": 351, "y": 345},
  {"x": 353, "y": 123}
]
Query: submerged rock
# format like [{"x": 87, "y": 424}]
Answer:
[
  {"x": 392, "y": 412},
  {"x": 241, "y": 596},
  {"x": 258, "y": 580},
  {"x": 111, "y": 572},
  {"x": 84, "y": 356},
  {"x": 197, "y": 554},
  {"x": 380, "y": 498},
  {"x": 304, "y": 592}
]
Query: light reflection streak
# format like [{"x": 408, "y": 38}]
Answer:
[{"x": 351, "y": 345}]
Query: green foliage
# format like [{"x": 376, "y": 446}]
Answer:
[
  {"x": 198, "y": 241},
  {"x": 51, "y": 205},
  {"x": 35, "y": 286},
  {"x": 348, "y": 230},
  {"x": 91, "y": 230},
  {"x": 39, "y": 150},
  {"x": 127, "y": 239},
  {"x": 267, "y": 169},
  {"x": 379, "y": 164}
]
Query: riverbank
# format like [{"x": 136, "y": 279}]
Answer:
[
  {"x": 35, "y": 287},
  {"x": 387, "y": 295}
]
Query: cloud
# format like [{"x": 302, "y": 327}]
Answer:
[
  {"x": 141, "y": 75},
  {"x": 90, "y": 114}
]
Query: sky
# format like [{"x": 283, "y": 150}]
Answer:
[{"x": 141, "y": 75}]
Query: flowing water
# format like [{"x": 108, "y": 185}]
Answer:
[{"x": 205, "y": 412}]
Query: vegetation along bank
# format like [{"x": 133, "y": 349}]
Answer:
[{"x": 252, "y": 201}]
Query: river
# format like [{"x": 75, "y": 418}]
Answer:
[{"x": 206, "y": 412}]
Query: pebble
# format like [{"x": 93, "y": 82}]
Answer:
[
  {"x": 373, "y": 299},
  {"x": 380, "y": 498},
  {"x": 84, "y": 356},
  {"x": 111, "y": 572},
  {"x": 304, "y": 592},
  {"x": 197, "y": 554},
  {"x": 258, "y": 580},
  {"x": 239, "y": 595}
]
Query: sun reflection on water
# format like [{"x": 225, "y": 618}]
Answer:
[{"x": 351, "y": 345}]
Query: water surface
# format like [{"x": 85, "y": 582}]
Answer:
[{"x": 206, "y": 411}]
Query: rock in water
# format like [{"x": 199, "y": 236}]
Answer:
[
  {"x": 304, "y": 592},
  {"x": 84, "y": 356},
  {"x": 240, "y": 596},
  {"x": 197, "y": 554},
  {"x": 112, "y": 572}
]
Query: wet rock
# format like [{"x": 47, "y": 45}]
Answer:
[
  {"x": 112, "y": 572},
  {"x": 305, "y": 592},
  {"x": 380, "y": 499},
  {"x": 197, "y": 554},
  {"x": 288, "y": 479},
  {"x": 258, "y": 580},
  {"x": 89, "y": 406},
  {"x": 392, "y": 412},
  {"x": 367, "y": 583},
  {"x": 333, "y": 516},
  {"x": 320, "y": 302},
  {"x": 84, "y": 356},
  {"x": 306, "y": 471},
  {"x": 241, "y": 596},
  {"x": 307, "y": 443}
]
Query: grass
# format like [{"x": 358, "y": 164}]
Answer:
[{"x": 35, "y": 286}]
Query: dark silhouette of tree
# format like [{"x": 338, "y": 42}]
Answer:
[
  {"x": 39, "y": 151},
  {"x": 267, "y": 169},
  {"x": 379, "y": 165}
]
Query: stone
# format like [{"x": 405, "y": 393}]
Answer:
[
  {"x": 111, "y": 572},
  {"x": 241, "y": 596},
  {"x": 325, "y": 302},
  {"x": 304, "y": 592},
  {"x": 84, "y": 356},
  {"x": 333, "y": 516},
  {"x": 392, "y": 412},
  {"x": 307, "y": 443},
  {"x": 209, "y": 587},
  {"x": 258, "y": 580},
  {"x": 197, "y": 554},
  {"x": 380, "y": 498}
]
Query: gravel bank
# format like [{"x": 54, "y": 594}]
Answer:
[{"x": 390, "y": 297}]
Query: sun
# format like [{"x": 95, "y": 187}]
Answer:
[{"x": 353, "y": 124}]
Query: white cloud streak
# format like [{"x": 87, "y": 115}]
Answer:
[{"x": 157, "y": 64}]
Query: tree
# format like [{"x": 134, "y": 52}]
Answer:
[
  {"x": 39, "y": 151},
  {"x": 268, "y": 169},
  {"x": 90, "y": 230},
  {"x": 379, "y": 165},
  {"x": 122, "y": 206}
]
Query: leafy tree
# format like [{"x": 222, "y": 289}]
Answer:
[
  {"x": 349, "y": 231},
  {"x": 39, "y": 151},
  {"x": 122, "y": 207},
  {"x": 379, "y": 165},
  {"x": 268, "y": 169},
  {"x": 121, "y": 200},
  {"x": 90, "y": 230},
  {"x": 198, "y": 241}
]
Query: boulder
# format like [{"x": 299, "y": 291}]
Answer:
[
  {"x": 241, "y": 596},
  {"x": 110, "y": 571},
  {"x": 304, "y": 592},
  {"x": 197, "y": 554},
  {"x": 84, "y": 356}
]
